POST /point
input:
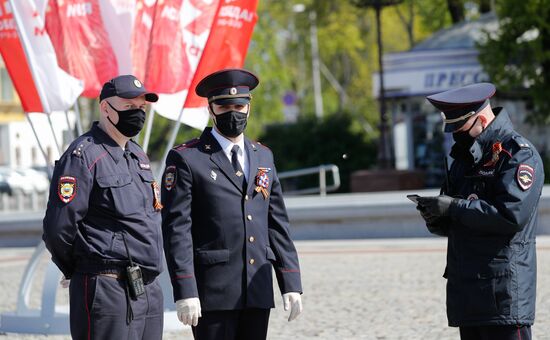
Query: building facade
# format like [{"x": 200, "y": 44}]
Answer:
[
  {"x": 446, "y": 60},
  {"x": 19, "y": 147}
]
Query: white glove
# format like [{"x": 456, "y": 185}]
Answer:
[
  {"x": 292, "y": 301},
  {"x": 189, "y": 311},
  {"x": 64, "y": 282}
]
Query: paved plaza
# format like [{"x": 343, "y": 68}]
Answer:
[{"x": 361, "y": 289}]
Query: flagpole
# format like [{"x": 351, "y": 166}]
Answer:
[
  {"x": 53, "y": 133},
  {"x": 69, "y": 124},
  {"x": 39, "y": 144},
  {"x": 77, "y": 117},
  {"x": 151, "y": 115},
  {"x": 30, "y": 58},
  {"x": 148, "y": 129},
  {"x": 170, "y": 144}
]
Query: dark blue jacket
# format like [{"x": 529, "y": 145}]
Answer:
[
  {"x": 491, "y": 259},
  {"x": 221, "y": 243},
  {"x": 100, "y": 193}
]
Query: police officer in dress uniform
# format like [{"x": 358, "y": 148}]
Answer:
[
  {"x": 225, "y": 224},
  {"x": 103, "y": 222},
  {"x": 488, "y": 211}
]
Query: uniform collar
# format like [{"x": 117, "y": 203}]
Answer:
[
  {"x": 226, "y": 144},
  {"x": 108, "y": 143},
  {"x": 496, "y": 130}
]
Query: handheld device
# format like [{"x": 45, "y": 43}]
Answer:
[
  {"x": 135, "y": 281},
  {"x": 135, "y": 277}
]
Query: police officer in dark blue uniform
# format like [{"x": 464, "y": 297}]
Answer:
[
  {"x": 488, "y": 211},
  {"x": 103, "y": 222},
  {"x": 225, "y": 224}
]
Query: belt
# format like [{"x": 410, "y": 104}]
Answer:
[{"x": 121, "y": 275}]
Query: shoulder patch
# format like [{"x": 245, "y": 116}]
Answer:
[
  {"x": 525, "y": 176},
  {"x": 186, "y": 145},
  {"x": 66, "y": 188},
  {"x": 170, "y": 177}
]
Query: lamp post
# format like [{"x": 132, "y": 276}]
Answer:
[
  {"x": 384, "y": 153},
  {"x": 315, "y": 59}
]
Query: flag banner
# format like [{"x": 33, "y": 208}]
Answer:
[
  {"x": 118, "y": 20},
  {"x": 78, "y": 34},
  {"x": 179, "y": 33},
  {"x": 141, "y": 37},
  {"x": 227, "y": 44},
  {"x": 16, "y": 61},
  {"x": 31, "y": 60}
]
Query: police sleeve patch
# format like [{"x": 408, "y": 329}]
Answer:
[
  {"x": 525, "y": 176},
  {"x": 66, "y": 188},
  {"x": 170, "y": 177}
]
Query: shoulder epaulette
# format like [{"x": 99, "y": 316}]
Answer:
[
  {"x": 521, "y": 142},
  {"x": 186, "y": 145},
  {"x": 265, "y": 146},
  {"x": 79, "y": 145}
]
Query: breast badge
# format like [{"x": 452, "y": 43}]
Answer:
[
  {"x": 262, "y": 181},
  {"x": 156, "y": 196}
]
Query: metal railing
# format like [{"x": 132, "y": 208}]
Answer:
[
  {"x": 322, "y": 170},
  {"x": 20, "y": 201}
]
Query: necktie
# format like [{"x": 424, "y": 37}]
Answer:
[{"x": 237, "y": 166}]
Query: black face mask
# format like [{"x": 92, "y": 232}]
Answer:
[
  {"x": 463, "y": 138},
  {"x": 130, "y": 122},
  {"x": 231, "y": 123}
]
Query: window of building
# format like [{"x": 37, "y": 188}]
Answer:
[
  {"x": 6, "y": 87},
  {"x": 49, "y": 154},
  {"x": 34, "y": 155},
  {"x": 17, "y": 156}
]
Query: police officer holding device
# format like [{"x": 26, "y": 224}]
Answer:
[
  {"x": 225, "y": 224},
  {"x": 103, "y": 222},
  {"x": 488, "y": 211}
]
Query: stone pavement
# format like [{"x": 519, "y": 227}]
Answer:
[{"x": 360, "y": 289}]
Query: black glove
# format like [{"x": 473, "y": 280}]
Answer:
[
  {"x": 430, "y": 219},
  {"x": 437, "y": 225},
  {"x": 436, "y": 206},
  {"x": 440, "y": 228}
]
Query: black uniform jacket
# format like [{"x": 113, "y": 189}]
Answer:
[
  {"x": 491, "y": 259},
  {"x": 99, "y": 194},
  {"x": 221, "y": 242}
]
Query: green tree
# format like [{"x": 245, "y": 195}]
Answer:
[
  {"x": 517, "y": 55},
  {"x": 311, "y": 142},
  {"x": 280, "y": 54}
]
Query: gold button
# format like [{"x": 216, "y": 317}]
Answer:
[
  {"x": 249, "y": 217},
  {"x": 251, "y": 238},
  {"x": 251, "y": 261},
  {"x": 246, "y": 197}
]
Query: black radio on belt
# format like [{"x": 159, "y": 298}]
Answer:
[
  {"x": 135, "y": 277},
  {"x": 135, "y": 280}
]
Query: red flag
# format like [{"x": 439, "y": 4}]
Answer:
[
  {"x": 16, "y": 62},
  {"x": 81, "y": 42},
  {"x": 174, "y": 72},
  {"x": 141, "y": 37},
  {"x": 31, "y": 62},
  {"x": 227, "y": 44},
  {"x": 167, "y": 69}
]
